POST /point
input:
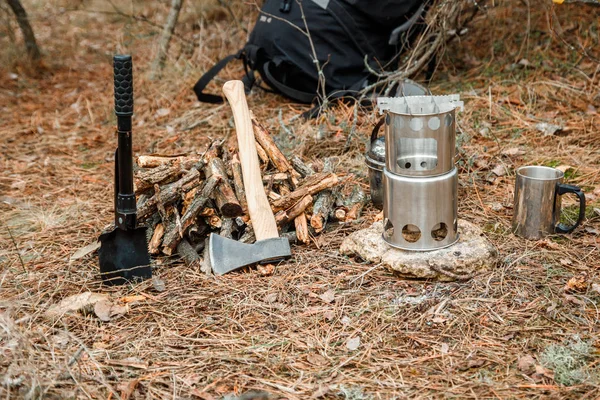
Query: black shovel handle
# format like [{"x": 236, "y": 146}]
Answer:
[{"x": 125, "y": 207}]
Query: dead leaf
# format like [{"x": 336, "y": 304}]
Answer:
[
  {"x": 548, "y": 129},
  {"x": 329, "y": 315},
  {"x": 596, "y": 288},
  {"x": 316, "y": 359},
  {"x": 353, "y": 343},
  {"x": 106, "y": 310},
  {"x": 266, "y": 269},
  {"x": 445, "y": 349},
  {"x": 564, "y": 168},
  {"x": 591, "y": 230},
  {"x": 158, "y": 284},
  {"x": 345, "y": 320},
  {"x": 577, "y": 283},
  {"x": 77, "y": 302},
  {"x": 591, "y": 110},
  {"x": 513, "y": 151},
  {"x": 526, "y": 364},
  {"x": 162, "y": 112},
  {"x": 328, "y": 296},
  {"x": 84, "y": 251},
  {"x": 320, "y": 392},
  {"x": 472, "y": 363},
  {"x": 270, "y": 298},
  {"x": 499, "y": 170},
  {"x": 543, "y": 372},
  {"x": 574, "y": 300}
]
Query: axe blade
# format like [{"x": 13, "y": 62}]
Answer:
[{"x": 227, "y": 255}]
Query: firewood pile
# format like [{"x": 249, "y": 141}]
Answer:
[{"x": 183, "y": 198}]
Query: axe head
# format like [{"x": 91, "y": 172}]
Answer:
[{"x": 227, "y": 255}]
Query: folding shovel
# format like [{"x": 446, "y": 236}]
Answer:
[{"x": 123, "y": 253}]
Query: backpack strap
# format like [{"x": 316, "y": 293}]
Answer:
[
  {"x": 304, "y": 97},
  {"x": 209, "y": 76}
]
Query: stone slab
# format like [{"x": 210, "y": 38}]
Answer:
[{"x": 472, "y": 254}]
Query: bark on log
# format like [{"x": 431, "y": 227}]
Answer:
[
  {"x": 263, "y": 138},
  {"x": 301, "y": 224},
  {"x": 156, "y": 161},
  {"x": 283, "y": 217},
  {"x": 227, "y": 228},
  {"x": 169, "y": 193},
  {"x": 310, "y": 186},
  {"x": 189, "y": 255},
  {"x": 172, "y": 237},
  {"x": 303, "y": 169},
  {"x": 262, "y": 154},
  {"x": 162, "y": 174},
  {"x": 355, "y": 203},
  {"x": 323, "y": 202},
  {"x": 227, "y": 202},
  {"x": 155, "y": 242},
  {"x": 170, "y": 224},
  {"x": 275, "y": 178},
  {"x": 238, "y": 182}
]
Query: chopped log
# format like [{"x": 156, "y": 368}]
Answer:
[
  {"x": 169, "y": 193},
  {"x": 339, "y": 214},
  {"x": 283, "y": 217},
  {"x": 155, "y": 242},
  {"x": 197, "y": 232},
  {"x": 164, "y": 173},
  {"x": 227, "y": 228},
  {"x": 156, "y": 161},
  {"x": 355, "y": 203},
  {"x": 301, "y": 224},
  {"x": 159, "y": 204},
  {"x": 213, "y": 151},
  {"x": 303, "y": 169},
  {"x": 323, "y": 202},
  {"x": 275, "y": 178},
  {"x": 214, "y": 221},
  {"x": 248, "y": 236},
  {"x": 262, "y": 154},
  {"x": 310, "y": 186},
  {"x": 189, "y": 255},
  {"x": 273, "y": 196},
  {"x": 262, "y": 136},
  {"x": 264, "y": 139},
  {"x": 238, "y": 183},
  {"x": 170, "y": 225},
  {"x": 174, "y": 236},
  {"x": 227, "y": 202}
]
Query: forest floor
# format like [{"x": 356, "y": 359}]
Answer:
[{"x": 521, "y": 330}]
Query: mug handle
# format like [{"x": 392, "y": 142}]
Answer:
[
  {"x": 564, "y": 189},
  {"x": 376, "y": 129}
]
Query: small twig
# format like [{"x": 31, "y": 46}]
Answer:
[{"x": 16, "y": 249}]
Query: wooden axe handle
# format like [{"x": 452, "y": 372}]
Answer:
[{"x": 263, "y": 221}]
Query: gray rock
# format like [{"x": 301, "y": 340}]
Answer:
[{"x": 472, "y": 253}]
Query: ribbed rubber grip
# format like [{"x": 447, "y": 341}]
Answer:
[{"x": 123, "y": 71}]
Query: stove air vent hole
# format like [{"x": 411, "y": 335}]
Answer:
[
  {"x": 439, "y": 232},
  {"x": 411, "y": 233},
  {"x": 388, "y": 229}
]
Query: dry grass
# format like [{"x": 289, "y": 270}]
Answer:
[{"x": 207, "y": 337}]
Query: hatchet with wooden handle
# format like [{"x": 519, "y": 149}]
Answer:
[{"x": 227, "y": 255}]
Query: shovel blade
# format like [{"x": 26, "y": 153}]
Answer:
[
  {"x": 227, "y": 255},
  {"x": 124, "y": 257}
]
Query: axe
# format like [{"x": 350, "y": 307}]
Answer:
[{"x": 226, "y": 255}]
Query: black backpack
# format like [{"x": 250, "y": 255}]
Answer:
[{"x": 346, "y": 35}]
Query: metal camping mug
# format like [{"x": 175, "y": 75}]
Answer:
[{"x": 537, "y": 206}]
